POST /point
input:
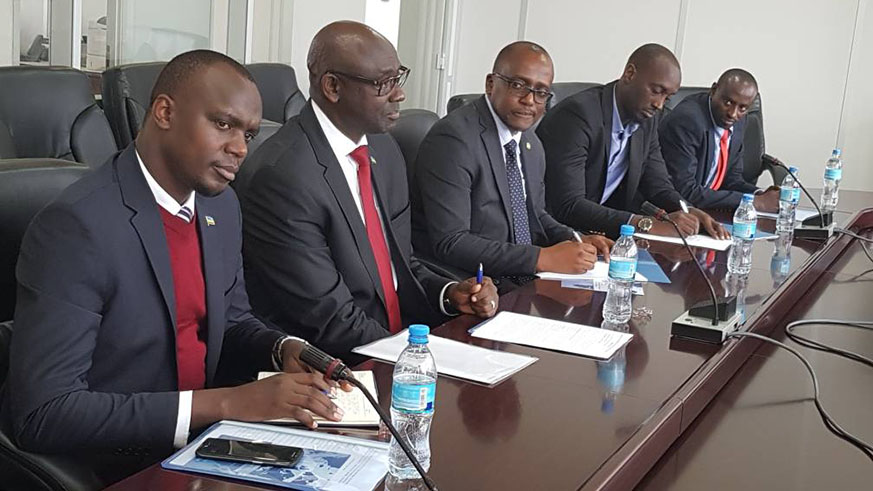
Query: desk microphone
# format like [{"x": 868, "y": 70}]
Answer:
[
  {"x": 710, "y": 322},
  {"x": 807, "y": 230},
  {"x": 335, "y": 369}
]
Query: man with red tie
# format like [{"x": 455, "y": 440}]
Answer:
[
  {"x": 702, "y": 144},
  {"x": 326, "y": 208}
]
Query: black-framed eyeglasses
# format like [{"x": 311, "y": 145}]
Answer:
[
  {"x": 384, "y": 86},
  {"x": 521, "y": 89}
]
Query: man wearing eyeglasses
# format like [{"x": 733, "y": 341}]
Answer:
[
  {"x": 326, "y": 209},
  {"x": 603, "y": 158},
  {"x": 478, "y": 192}
]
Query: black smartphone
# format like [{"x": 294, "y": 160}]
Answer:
[{"x": 249, "y": 452}]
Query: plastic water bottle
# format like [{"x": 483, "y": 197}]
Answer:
[
  {"x": 622, "y": 269},
  {"x": 789, "y": 195},
  {"x": 743, "y": 233},
  {"x": 412, "y": 400},
  {"x": 830, "y": 192},
  {"x": 735, "y": 285},
  {"x": 780, "y": 262}
]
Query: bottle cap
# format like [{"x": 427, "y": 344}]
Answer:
[
  {"x": 836, "y": 152},
  {"x": 748, "y": 197},
  {"x": 627, "y": 230},
  {"x": 793, "y": 169},
  {"x": 418, "y": 333}
]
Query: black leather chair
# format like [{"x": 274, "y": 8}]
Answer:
[
  {"x": 459, "y": 100},
  {"x": 409, "y": 132},
  {"x": 51, "y": 113},
  {"x": 26, "y": 185},
  {"x": 7, "y": 147},
  {"x": 280, "y": 94},
  {"x": 562, "y": 90},
  {"x": 127, "y": 90}
]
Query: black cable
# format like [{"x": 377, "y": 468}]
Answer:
[
  {"x": 811, "y": 344},
  {"x": 778, "y": 162},
  {"x": 387, "y": 420},
  {"x": 861, "y": 238},
  {"x": 829, "y": 422},
  {"x": 699, "y": 267}
]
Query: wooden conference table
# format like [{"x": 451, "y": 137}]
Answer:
[{"x": 568, "y": 422}]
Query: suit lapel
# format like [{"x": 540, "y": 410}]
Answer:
[
  {"x": 147, "y": 222},
  {"x": 606, "y": 103},
  {"x": 532, "y": 165},
  {"x": 635, "y": 156},
  {"x": 213, "y": 273},
  {"x": 338, "y": 185},
  {"x": 491, "y": 141}
]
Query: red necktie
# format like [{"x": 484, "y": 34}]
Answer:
[
  {"x": 721, "y": 168},
  {"x": 361, "y": 155}
]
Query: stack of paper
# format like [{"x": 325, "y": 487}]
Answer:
[
  {"x": 800, "y": 214},
  {"x": 328, "y": 462},
  {"x": 453, "y": 358},
  {"x": 357, "y": 410},
  {"x": 698, "y": 240},
  {"x": 538, "y": 332},
  {"x": 599, "y": 272}
]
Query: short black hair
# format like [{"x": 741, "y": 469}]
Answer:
[
  {"x": 511, "y": 47},
  {"x": 180, "y": 68},
  {"x": 645, "y": 54},
  {"x": 741, "y": 75}
]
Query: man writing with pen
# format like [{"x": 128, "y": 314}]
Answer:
[{"x": 478, "y": 191}]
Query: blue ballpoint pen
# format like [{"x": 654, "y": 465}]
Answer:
[{"x": 479, "y": 274}]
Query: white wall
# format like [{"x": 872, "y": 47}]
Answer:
[
  {"x": 8, "y": 43},
  {"x": 797, "y": 49}
]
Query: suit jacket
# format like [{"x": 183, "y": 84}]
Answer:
[
  {"x": 93, "y": 355},
  {"x": 577, "y": 137},
  {"x": 309, "y": 264},
  {"x": 461, "y": 200},
  {"x": 688, "y": 143}
]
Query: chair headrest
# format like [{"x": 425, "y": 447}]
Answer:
[
  {"x": 127, "y": 90},
  {"x": 280, "y": 95}
]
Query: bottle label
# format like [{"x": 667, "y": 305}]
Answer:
[
  {"x": 413, "y": 398},
  {"x": 622, "y": 270},
  {"x": 796, "y": 196},
  {"x": 744, "y": 230},
  {"x": 833, "y": 174},
  {"x": 786, "y": 194}
]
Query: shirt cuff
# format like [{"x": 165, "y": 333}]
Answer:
[
  {"x": 443, "y": 298},
  {"x": 183, "y": 420}
]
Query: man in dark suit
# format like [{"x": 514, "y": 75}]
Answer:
[
  {"x": 603, "y": 158},
  {"x": 478, "y": 188},
  {"x": 326, "y": 208},
  {"x": 702, "y": 144},
  {"x": 131, "y": 300}
]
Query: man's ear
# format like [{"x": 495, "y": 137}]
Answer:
[
  {"x": 162, "y": 112},
  {"x": 629, "y": 73},
  {"x": 489, "y": 84},
  {"x": 330, "y": 87}
]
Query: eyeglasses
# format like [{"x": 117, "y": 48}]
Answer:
[
  {"x": 384, "y": 86},
  {"x": 521, "y": 89}
]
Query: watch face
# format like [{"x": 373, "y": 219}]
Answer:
[{"x": 645, "y": 224}]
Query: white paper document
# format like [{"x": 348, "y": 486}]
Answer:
[
  {"x": 329, "y": 462},
  {"x": 357, "y": 410},
  {"x": 698, "y": 240},
  {"x": 599, "y": 272},
  {"x": 538, "y": 332},
  {"x": 800, "y": 214},
  {"x": 453, "y": 358},
  {"x": 598, "y": 285}
]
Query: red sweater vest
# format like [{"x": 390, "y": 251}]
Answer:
[{"x": 190, "y": 291}]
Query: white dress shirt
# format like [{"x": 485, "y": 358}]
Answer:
[
  {"x": 505, "y": 135},
  {"x": 165, "y": 201}
]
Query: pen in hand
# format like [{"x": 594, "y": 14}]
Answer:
[
  {"x": 577, "y": 237},
  {"x": 479, "y": 274}
]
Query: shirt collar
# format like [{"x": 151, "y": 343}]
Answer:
[
  {"x": 503, "y": 131},
  {"x": 338, "y": 141},
  {"x": 617, "y": 127},
  {"x": 718, "y": 129},
  {"x": 163, "y": 198}
]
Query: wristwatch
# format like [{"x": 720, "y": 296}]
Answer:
[{"x": 645, "y": 224}]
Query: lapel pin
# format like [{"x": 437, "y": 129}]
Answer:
[
  {"x": 372, "y": 160},
  {"x": 209, "y": 221},
  {"x": 527, "y": 145}
]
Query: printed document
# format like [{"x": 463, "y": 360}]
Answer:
[
  {"x": 357, "y": 410},
  {"x": 698, "y": 240},
  {"x": 599, "y": 272}
]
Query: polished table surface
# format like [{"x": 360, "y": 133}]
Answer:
[{"x": 568, "y": 422}]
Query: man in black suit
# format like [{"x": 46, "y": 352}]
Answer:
[
  {"x": 326, "y": 208},
  {"x": 702, "y": 144},
  {"x": 479, "y": 195},
  {"x": 603, "y": 158},
  {"x": 131, "y": 302}
]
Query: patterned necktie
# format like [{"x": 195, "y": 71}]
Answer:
[
  {"x": 361, "y": 156},
  {"x": 721, "y": 168},
  {"x": 516, "y": 195},
  {"x": 185, "y": 214}
]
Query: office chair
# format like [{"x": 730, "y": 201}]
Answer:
[
  {"x": 409, "y": 132},
  {"x": 280, "y": 95},
  {"x": 26, "y": 185},
  {"x": 7, "y": 147},
  {"x": 51, "y": 113},
  {"x": 127, "y": 92}
]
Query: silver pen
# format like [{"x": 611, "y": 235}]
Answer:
[
  {"x": 683, "y": 205},
  {"x": 576, "y": 236}
]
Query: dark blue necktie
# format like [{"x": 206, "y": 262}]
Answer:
[{"x": 516, "y": 193}]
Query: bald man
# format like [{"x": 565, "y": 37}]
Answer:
[
  {"x": 702, "y": 143},
  {"x": 131, "y": 305},
  {"x": 326, "y": 209},
  {"x": 603, "y": 157},
  {"x": 478, "y": 192}
]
